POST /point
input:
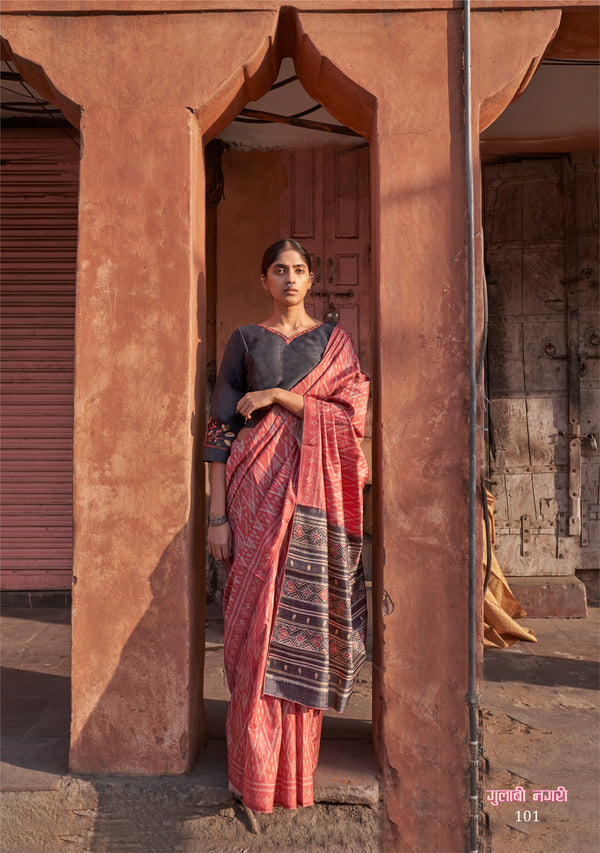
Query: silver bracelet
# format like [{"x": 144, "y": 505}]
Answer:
[{"x": 215, "y": 522}]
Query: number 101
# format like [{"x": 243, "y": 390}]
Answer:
[{"x": 527, "y": 817}]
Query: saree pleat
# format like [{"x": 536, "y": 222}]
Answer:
[{"x": 273, "y": 734}]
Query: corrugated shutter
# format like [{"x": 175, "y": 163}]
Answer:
[{"x": 40, "y": 184}]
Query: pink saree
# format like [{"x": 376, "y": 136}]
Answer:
[{"x": 294, "y": 603}]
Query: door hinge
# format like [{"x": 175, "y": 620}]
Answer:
[
  {"x": 589, "y": 512},
  {"x": 561, "y": 534},
  {"x": 525, "y": 531}
]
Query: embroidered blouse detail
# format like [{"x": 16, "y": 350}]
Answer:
[
  {"x": 291, "y": 337},
  {"x": 218, "y": 435},
  {"x": 257, "y": 357}
]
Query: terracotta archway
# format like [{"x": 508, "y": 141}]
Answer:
[
  {"x": 256, "y": 210},
  {"x": 140, "y": 320}
]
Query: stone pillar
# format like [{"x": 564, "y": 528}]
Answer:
[
  {"x": 137, "y": 650},
  {"x": 396, "y": 76},
  {"x": 411, "y": 64},
  {"x": 147, "y": 87}
]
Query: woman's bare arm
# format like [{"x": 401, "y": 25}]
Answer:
[
  {"x": 253, "y": 400},
  {"x": 219, "y": 537}
]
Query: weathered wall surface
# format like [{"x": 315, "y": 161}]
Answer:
[
  {"x": 541, "y": 224},
  {"x": 137, "y": 649},
  {"x": 420, "y": 347},
  {"x": 140, "y": 318}
]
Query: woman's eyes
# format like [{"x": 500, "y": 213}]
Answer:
[{"x": 298, "y": 270}]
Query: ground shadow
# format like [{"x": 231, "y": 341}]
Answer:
[
  {"x": 60, "y": 615},
  {"x": 215, "y": 711},
  {"x": 36, "y": 713},
  {"x": 138, "y": 714},
  {"x": 537, "y": 669},
  {"x": 27, "y": 696}
]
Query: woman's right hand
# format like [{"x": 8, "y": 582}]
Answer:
[{"x": 220, "y": 541}]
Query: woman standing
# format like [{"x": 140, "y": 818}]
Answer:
[{"x": 287, "y": 473}]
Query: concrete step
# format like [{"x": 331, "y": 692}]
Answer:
[
  {"x": 191, "y": 813},
  {"x": 558, "y": 597}
]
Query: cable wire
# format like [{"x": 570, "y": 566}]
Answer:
[{"x": 472, "y": 697}]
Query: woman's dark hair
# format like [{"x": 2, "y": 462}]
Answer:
[{"x": 272, "y": 253}]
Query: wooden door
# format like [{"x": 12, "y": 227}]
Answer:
[
  {"x": 541, "y": 225},
  {"x": 327, "y": 207},
  {"x": 346, "y": 242}
]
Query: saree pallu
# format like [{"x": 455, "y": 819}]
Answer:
[{"x": 294, "y": 602}]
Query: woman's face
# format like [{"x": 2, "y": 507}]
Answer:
[{"x": 288, "y": 279}]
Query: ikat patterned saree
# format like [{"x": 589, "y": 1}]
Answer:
[{"x": 294, "y": 603}]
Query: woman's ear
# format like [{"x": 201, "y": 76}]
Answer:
[{"x": 263, "y": 281}]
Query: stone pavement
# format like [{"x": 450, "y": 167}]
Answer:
[
  {"x": 541, "y": 719},
  {"x": 540, "y": 716},
  {"x": 46, "y": 809}
]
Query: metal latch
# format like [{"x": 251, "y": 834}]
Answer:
[
  {"x": 525, "y": 533},
  {"x": 572, "y": 436}
]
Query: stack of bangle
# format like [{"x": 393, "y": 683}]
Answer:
[{"x": 215, "y": 522}]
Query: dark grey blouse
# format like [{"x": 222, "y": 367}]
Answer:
[{"x": 256, "y": 358}]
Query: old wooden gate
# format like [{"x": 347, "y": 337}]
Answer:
[{"x": 541, "y": 234}]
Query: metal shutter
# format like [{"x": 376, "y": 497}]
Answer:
[{"x": 39, "y": 195}]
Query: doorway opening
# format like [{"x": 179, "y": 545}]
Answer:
[
  {"x": 274, "y": 172},
  {"x": 541, "y": 257}
]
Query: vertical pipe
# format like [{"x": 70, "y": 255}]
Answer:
[{"x": 472, "y": 697}]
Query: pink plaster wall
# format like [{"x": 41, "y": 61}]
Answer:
[
  {"x": 140, "y": 319},
  {"x": 137, "y": 643},
  {"x": 420, "y": 358}
]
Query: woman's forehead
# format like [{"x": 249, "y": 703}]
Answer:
[{"x": 289, "y": 258}]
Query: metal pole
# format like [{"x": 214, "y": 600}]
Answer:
[{"x": 472, "y": 697}]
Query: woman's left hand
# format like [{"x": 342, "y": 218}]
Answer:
[{"x": 254, "y": 400}]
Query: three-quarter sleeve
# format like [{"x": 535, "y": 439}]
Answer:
[{"x": 224, "y": 422}]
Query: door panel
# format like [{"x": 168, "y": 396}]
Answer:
[
  {"x": 346, "y": 240},
  {"x": 345, "y": 193},
  {"x": 304, "y": 210},
  {"x": 545, "y": 356},
  {"x": 346, "y": 270},
  {"x": 519, "y": 492},
  {"x": 546, "y": 419},
  {"x": 541, "y": 220},
  {"x": 510, "y": 426},
  {"x": 542, "y": 269},
  {"x": 505, "y": 354},
  {"x": 327, "y": 207}
]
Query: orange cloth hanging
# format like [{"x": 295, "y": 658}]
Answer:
[{"x": 500, "y": 607}]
